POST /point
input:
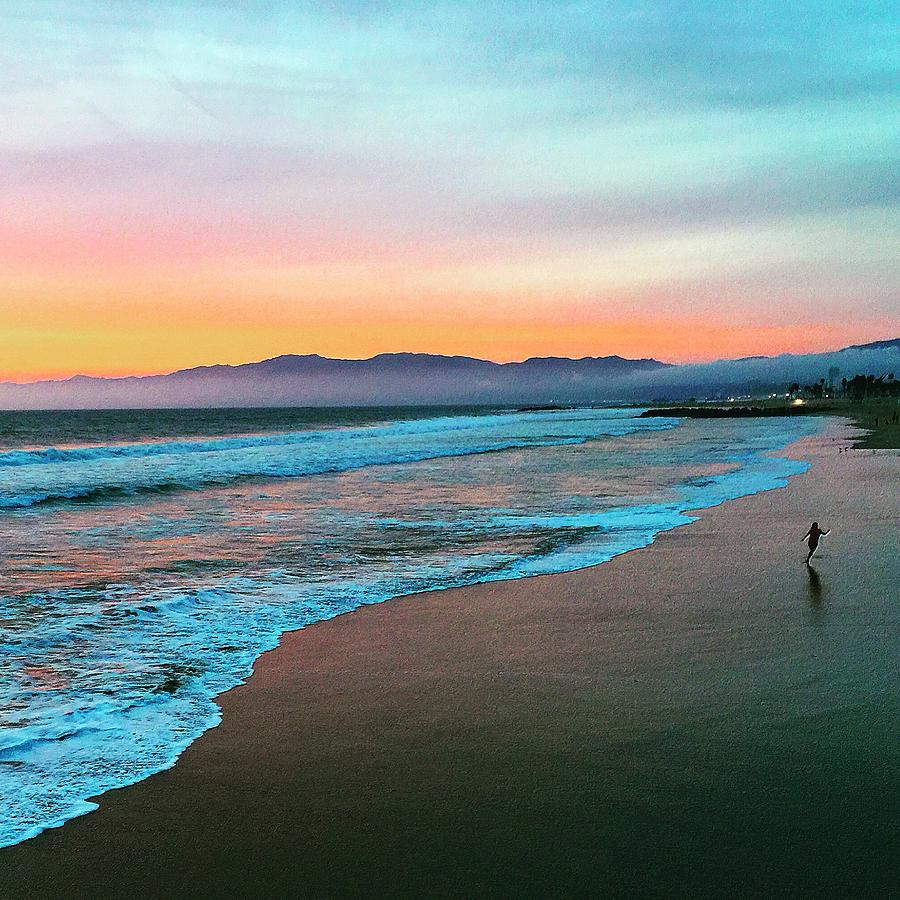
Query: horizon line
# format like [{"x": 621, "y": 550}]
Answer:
[{"x": 252, "y": 362}]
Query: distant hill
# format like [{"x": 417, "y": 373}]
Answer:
[
  {"x": 876, "y": 345},
  {"x": 763, "y": 374},
  {"x": 421, "y": 378},
  {"x": 389, "y": 378}
]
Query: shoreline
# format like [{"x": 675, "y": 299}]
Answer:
[
  {"x": 875, "y": 417},
  {"x": 682, "y": 511},
  {"x": 89, "y": 842}
]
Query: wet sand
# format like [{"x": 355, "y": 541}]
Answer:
[{"x": 704, "y": 716}]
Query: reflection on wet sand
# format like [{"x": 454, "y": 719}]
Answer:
[{"x": 815, "y": 586}]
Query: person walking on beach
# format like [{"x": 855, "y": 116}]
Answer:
[{"x": 814, "y": 534}]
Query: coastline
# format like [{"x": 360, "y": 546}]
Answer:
[{"x": 532, "y": 736}]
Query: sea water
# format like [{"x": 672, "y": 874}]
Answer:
[{"x": 150, "y": 557}]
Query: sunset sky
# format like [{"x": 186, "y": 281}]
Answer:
[{"x": 187, "y": 183}]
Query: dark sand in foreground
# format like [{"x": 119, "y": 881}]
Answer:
[{"x": 701, "y": 717}]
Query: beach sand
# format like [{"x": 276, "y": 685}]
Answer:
[{"x": 704, "y": 716}]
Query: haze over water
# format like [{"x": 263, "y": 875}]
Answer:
[{"x": 150, "y": 558}]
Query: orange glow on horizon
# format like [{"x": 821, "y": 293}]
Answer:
[
  {"x": 161, "y": 349},
  {"x": 63, "y": 324}
]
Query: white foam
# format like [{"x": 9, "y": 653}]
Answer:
[{"x": 141, "y": 684}]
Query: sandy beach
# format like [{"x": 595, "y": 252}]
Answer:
[{"x": 702, "y": 717}]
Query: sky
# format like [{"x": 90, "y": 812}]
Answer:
[{"x": 187, "y": 183}]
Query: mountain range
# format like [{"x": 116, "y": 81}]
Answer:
[{"x": 419, "y": 378}]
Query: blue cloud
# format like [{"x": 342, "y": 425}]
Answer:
[{"x": 558, "y": 119}]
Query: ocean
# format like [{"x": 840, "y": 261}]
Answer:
[{"x": 149, "y": 557}]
